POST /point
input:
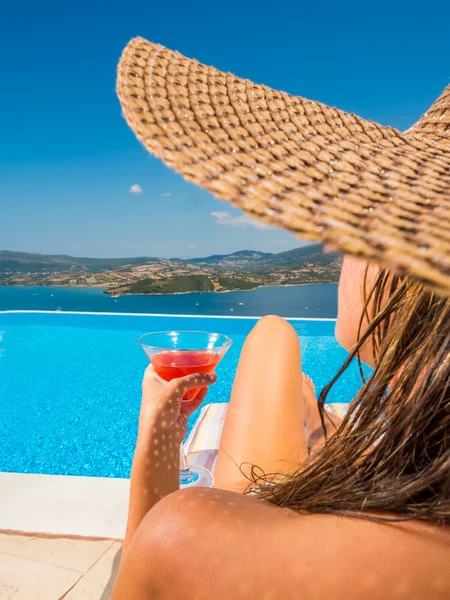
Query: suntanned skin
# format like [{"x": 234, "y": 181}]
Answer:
[{"x": 221, "y": 544}]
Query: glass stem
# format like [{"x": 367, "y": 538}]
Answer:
[{"x": 185, "y": 469}]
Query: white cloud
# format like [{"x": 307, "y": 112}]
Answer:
[
  {"x": 220, "y": 216},
  {"x": 135, "y": 189},
  {"x": 241, "y": 222},
  {"x": 192, "y": 246},
  {"x": 166, "y": 194}
]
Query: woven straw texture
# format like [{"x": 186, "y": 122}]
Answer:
[{"x": 323, "y": 174}]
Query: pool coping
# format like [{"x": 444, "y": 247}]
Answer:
[
  {"x": 63, "y": 505},
  {"x": 125, "y": 314}
]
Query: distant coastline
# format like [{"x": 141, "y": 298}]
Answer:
[
  {"x": 257, "y": 287},
  {"x": 240, "y": 271},
  {"x": 111, "y": 293}
]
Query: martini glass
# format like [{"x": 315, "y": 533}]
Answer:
[{"x": 175, "y": 354}]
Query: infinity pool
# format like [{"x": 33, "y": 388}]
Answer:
[{"x": 70, "y": 384}]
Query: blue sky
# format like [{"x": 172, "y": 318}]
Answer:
[{"x": 68, "y": 160}]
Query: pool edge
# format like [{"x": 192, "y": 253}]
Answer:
[
  {"x": 64, "y": 505},
  {"x": 124, "y": 314}
]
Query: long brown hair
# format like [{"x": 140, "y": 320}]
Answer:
[{"x": 392, "y": 451}]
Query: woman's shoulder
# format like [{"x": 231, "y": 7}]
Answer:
[{"x": 224, "y": 541}]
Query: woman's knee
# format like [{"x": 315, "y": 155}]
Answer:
[{"x": 272, "y": 325}]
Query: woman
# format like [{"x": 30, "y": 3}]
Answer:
[{"x": 362, "y": 510}]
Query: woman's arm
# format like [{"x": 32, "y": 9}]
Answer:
[
  {"x": 151, "y": 480},
  {"x": 162, "y": 427}
]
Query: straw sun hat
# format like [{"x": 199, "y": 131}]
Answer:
[{"x": 322, "y": 174}]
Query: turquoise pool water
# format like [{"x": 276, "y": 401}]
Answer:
[{"x": 70, "y": 384}]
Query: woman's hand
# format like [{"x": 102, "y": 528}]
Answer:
[{"x": 162, "y": 409}]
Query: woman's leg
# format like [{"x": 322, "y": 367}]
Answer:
[
  {"x": 314, "y": 434},
  {"x": 264, "y": 422}
]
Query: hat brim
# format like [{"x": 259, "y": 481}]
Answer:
[{"x": 322, "y": 174}]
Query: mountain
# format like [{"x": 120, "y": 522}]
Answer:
[
  {"x": 248, "y": 260},
  {"x": 23, "y": 262},
  {"x": 243, "y": 257},
  {"x": 311, "y": 254}
]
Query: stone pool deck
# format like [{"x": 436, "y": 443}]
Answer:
[{"x": 39, "y": 568}]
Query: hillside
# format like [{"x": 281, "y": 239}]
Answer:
[
  {"x": 20, "y": 262},
  {"x": 149, "y": 275},
  {"x": 312, "y": 254},
  {"x": 236, "y": 259},
  {"x": 172, "y": 285}
]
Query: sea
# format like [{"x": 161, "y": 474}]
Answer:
[{"x": 305, "y": 301}]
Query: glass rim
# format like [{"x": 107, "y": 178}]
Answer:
[{"x": 227, "y": 344}]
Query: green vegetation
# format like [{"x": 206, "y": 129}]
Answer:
[
  {"x": 236, "y": 283},
  {"x": 177, "y": 283}
]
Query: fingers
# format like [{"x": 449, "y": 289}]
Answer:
[
  {"x": 201, "y": 395},
  {"x": 177, "y": 388},
  {"x": 191, "y": 382},
  {"x": 149, "y": 372},
  {"x": 151, "y": 377},
  {"x": 191, "y": 406}
]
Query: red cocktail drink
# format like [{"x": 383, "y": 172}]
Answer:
[{"x": 178, "y": 363}]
